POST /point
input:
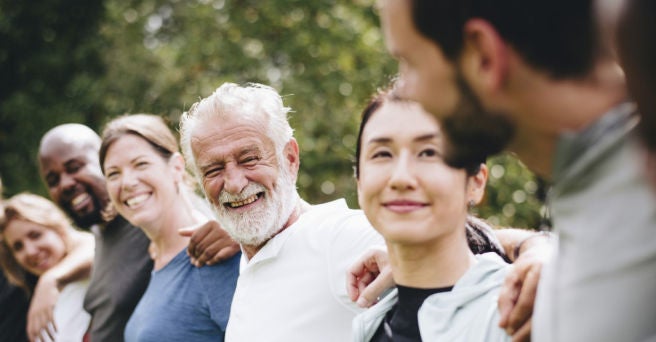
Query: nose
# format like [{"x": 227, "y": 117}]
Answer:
[
  {"x": 30, "y": 250},
  {"x": 402, "y": 177},
  {"x": 234, "y": 180},
  {"x": 128, "y": 179},
  {"x": 67, "y": 182}
]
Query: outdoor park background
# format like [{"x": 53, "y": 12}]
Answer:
[{"x": 88, "y": 61}]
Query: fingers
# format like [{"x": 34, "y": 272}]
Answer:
[
  {"x": 218, "y": 251},
  {"x": 224, "y": 253},
  {"x": 210, "y": 244},
  {"x": 523, "y": 334},
  {"x": 40, "y": 314},
  {"x": 187, "y": 231},
  {"x": 508, "y": 296},
  {"x": 197, "y": 234},
  {"x": 364, "y": 281},
  {"x": 50, "y": 331},
  {"x": 370, "y": 294},
  {"x": 523, "y": 309},
  {"x": 517, "y": 297},
  {"x": 40, "y": 326},
  {"x": 369, "y": 277},
  {"x": 357, "y": 279},
  {"x": 361, "y": 274}
]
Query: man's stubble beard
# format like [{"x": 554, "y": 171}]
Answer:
[
  {"x": 87, "y": 220},
  {"x": 256, "y": 226},
  {"x": 474, "y": 133}
]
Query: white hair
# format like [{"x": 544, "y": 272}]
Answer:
[{"x": 258, "y": 102}]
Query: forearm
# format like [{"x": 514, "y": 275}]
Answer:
[
  {"x": 515, "y": 241},
  {"x": 77, "y": 264}
]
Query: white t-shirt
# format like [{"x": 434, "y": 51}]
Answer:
[
  {"x": 294, "y": 288},
  {"x": 69, "y": 316}
]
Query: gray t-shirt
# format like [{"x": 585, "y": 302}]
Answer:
[
  {"x": 600, "y": 286},
  {"x": 120, "y": 275}
]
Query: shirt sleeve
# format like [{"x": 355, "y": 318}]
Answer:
[
  {"x": 219, "y": 282},
  {"x": 350, "y": 238}
]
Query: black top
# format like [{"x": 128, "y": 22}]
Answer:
[
  {"x": 400, "y": 323},
  {"x": 14, "y": 303}
]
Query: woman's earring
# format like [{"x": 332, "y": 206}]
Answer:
[{"x": 471, "y": 204}]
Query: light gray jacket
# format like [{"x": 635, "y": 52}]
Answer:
[{"x": 466, "y": 313}]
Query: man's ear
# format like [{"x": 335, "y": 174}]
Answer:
[
  {"x": 292, "y": 157},
  {"x": 484, "y": 59}
]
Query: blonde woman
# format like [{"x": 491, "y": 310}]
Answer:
[{"x": 37, "y": 236}]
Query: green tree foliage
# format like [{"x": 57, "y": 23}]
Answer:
[
  {"x": 49, "y": 57},
  {"x": 89, "y": 61}
]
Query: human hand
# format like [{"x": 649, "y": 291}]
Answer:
[
  {"x": 517, "y": 295},
  {"x": 369, "y": 277},
  {"x": 209, "y": 243},
  {"x": 40, "y": 323}
]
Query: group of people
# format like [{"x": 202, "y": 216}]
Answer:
[
  {"x": 141, "y": 282},
  {"x": 139, "y": 253},
  {"x": 231, "y": 251}
]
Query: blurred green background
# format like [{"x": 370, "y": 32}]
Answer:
[{"x": 87, "y": 61}]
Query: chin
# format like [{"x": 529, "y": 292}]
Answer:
[{"x": 137, "y": 219}]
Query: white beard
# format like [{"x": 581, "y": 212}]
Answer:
[{"x": 267, "y": 218}]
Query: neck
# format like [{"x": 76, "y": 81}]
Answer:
[
  {"x": 547, "y": 108},
  {"x": 166, "y": 241},
  {"x": 430, "y": 265},
  {"x": 301, "y": 207}
]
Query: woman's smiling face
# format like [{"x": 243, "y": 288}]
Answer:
[
  {"x": 35, "y": 247},
  {"x": 404, "y": 187},
  {"x": 140, "y": 182}
]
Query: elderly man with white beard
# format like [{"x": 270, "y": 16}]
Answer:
[
  {"x": 292, "y": 283},
  {"x": 292, "y": 279}
]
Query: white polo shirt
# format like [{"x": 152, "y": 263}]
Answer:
[{"x": 294, "y": 288}]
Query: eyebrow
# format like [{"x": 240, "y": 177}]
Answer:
[
  {"x": 220, "y": 160},
  {"x": 423, "y": 137},
  {"x": 249, "y": 149},
  {"x": 72, "y": 161},
  {"x": 131, "y": 161}
]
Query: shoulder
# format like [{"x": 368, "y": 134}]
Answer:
[
  {"x": 225, "y": 271},
  {"x": 336, "y": 216}
]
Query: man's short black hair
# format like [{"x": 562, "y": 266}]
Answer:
[{"x": 560, "y": 37}]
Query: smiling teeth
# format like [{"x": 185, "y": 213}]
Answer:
[
  {"x": 136, "y": 200},
  {"x": 78, "y": 199},
  {"x": 244, "y": 202}
]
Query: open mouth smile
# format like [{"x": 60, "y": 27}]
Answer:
[
  {"x": 136, "y": 200},
  {"x": 246, "y": 201}
]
